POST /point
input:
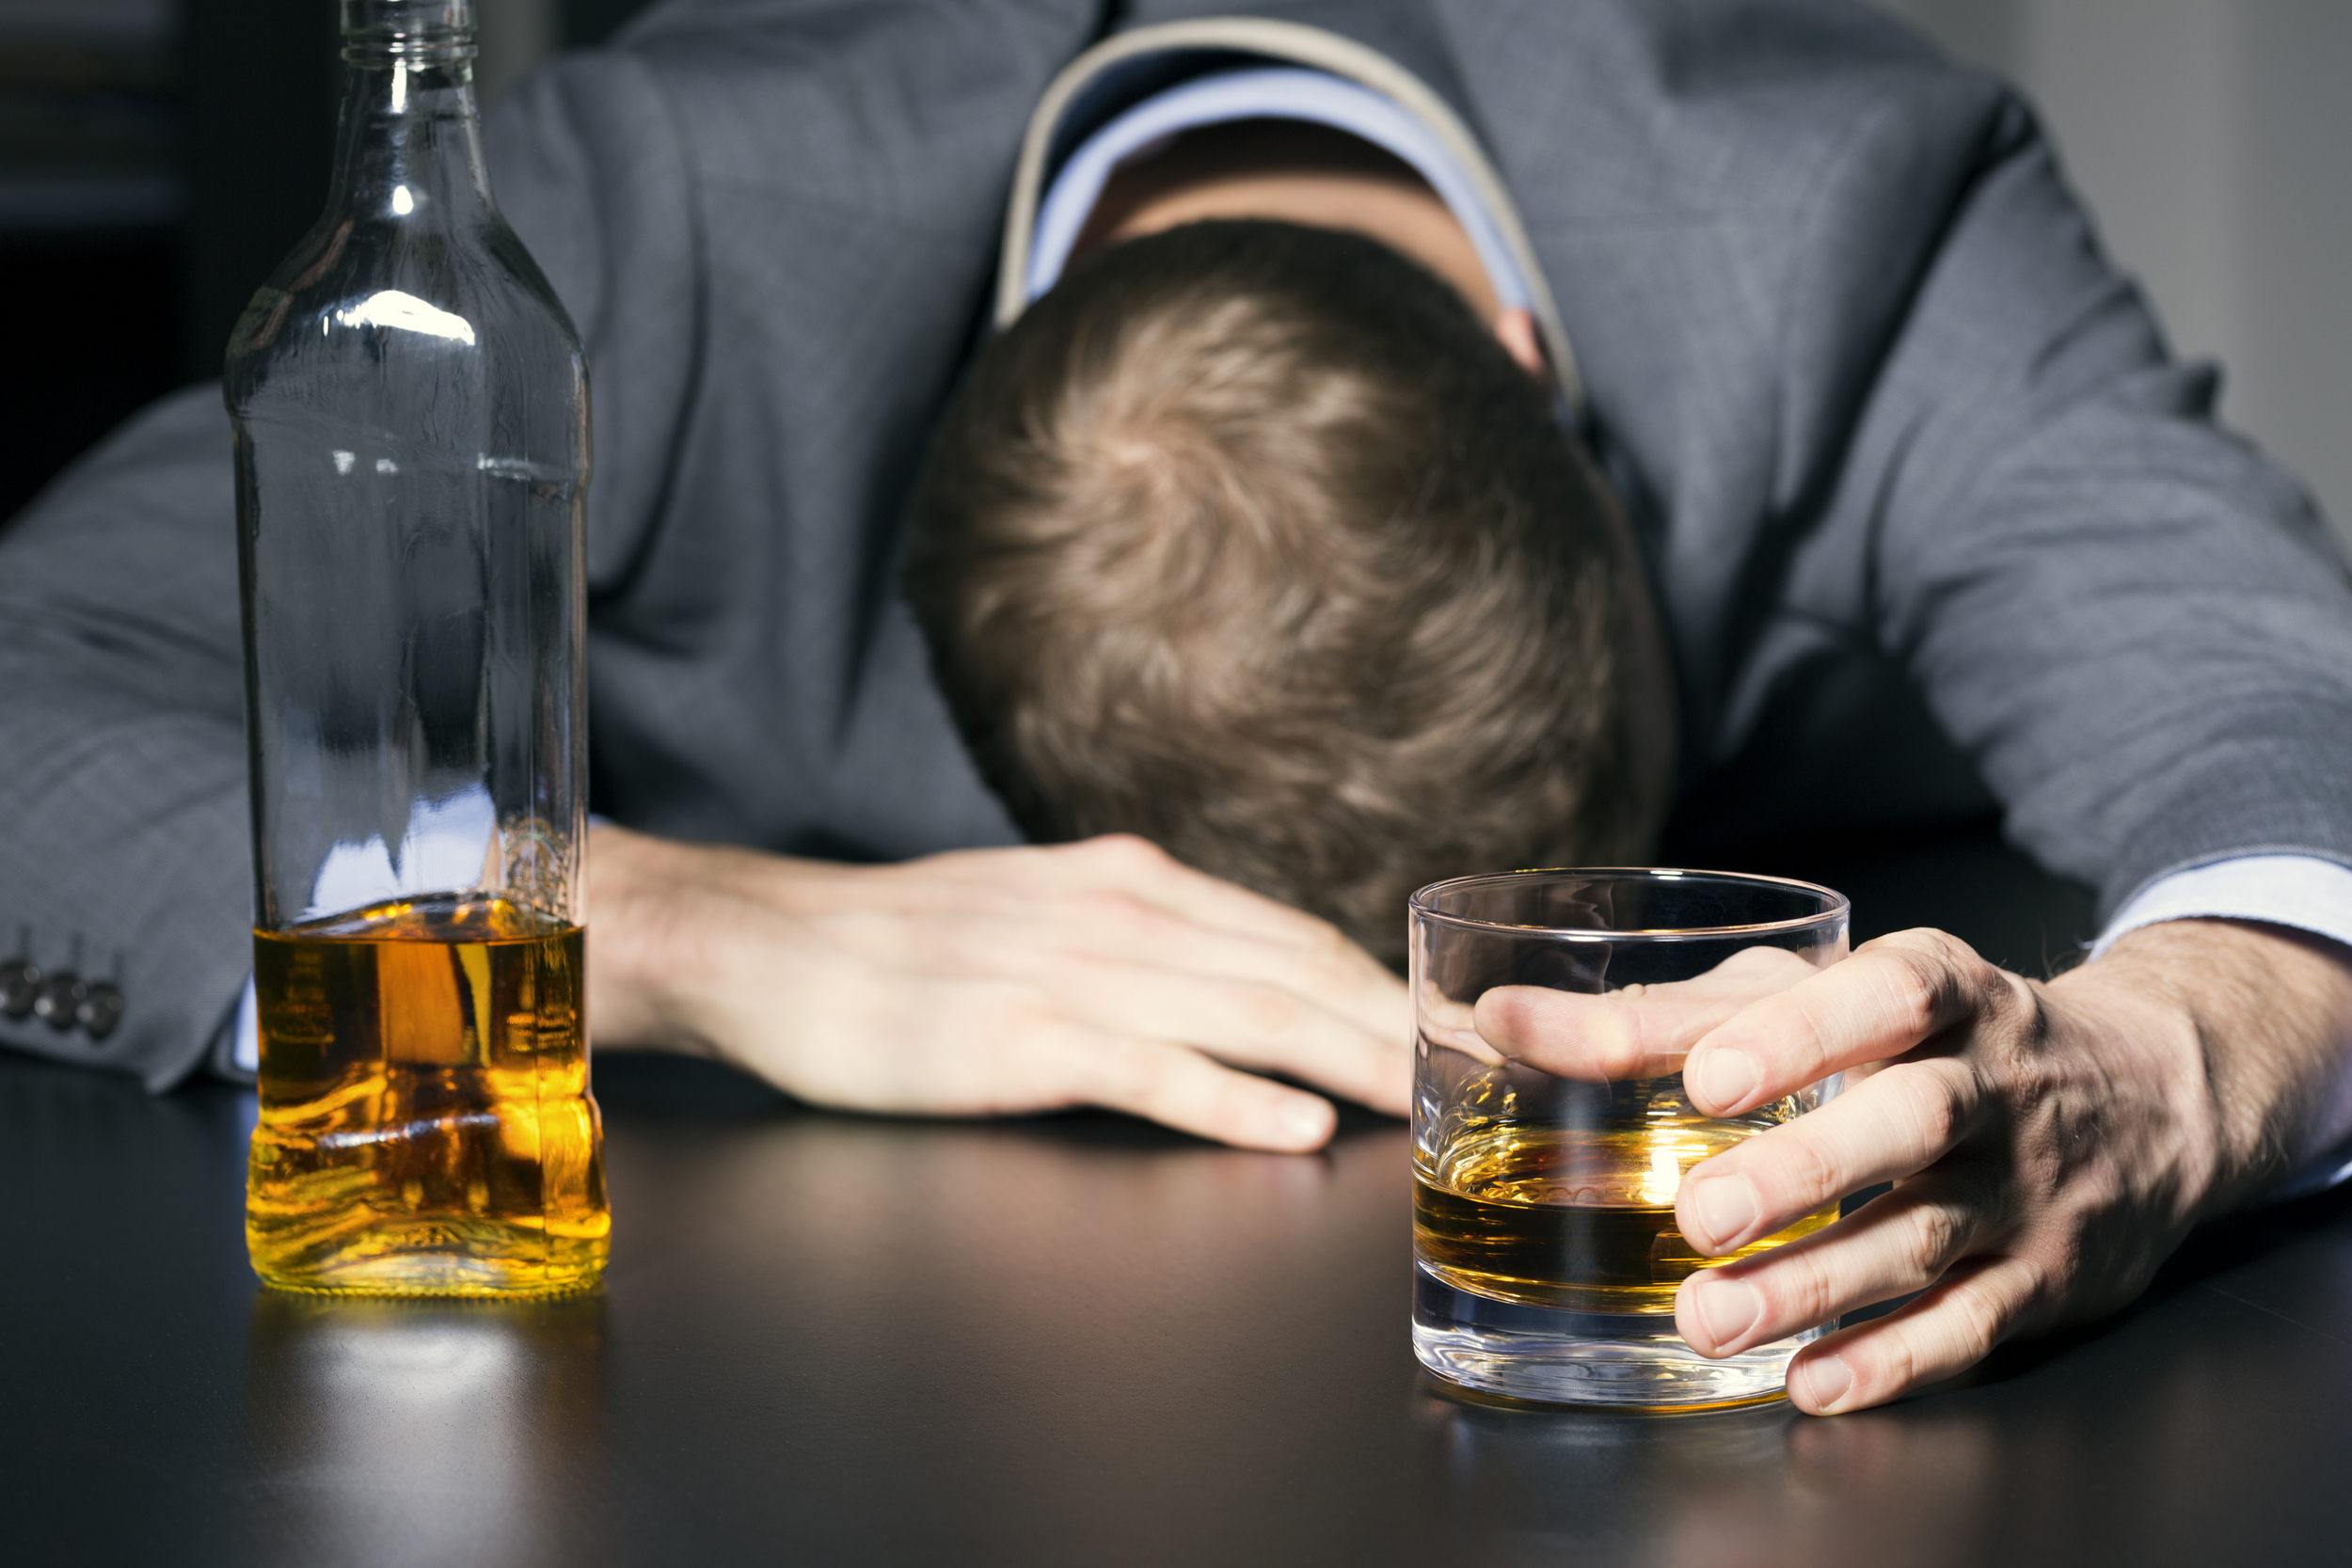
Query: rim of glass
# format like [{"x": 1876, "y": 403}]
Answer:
[{"x": 1838, "y": 904}]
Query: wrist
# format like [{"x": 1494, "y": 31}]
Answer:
[
  {"x": 642, "y": 971},
  {"x": 2153, "y": 1051},
  {"x": 2254, "y": 1021}
]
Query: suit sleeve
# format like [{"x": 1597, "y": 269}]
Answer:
[
  {"x": 2138, "y": 626},
  {"x": 124, "y": 833},
  {"x": 122, "y": 802}
]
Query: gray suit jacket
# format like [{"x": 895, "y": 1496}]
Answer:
[{"x": 1929, "y": 512}]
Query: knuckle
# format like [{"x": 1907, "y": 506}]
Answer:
[
  {"x": 1803, "y": 1288},
  {"x": 1976, "y": 1315},
  {"x": 953, "y": 945},
  {"x": 1130, "y": 1078},
  {"x": 1939, "y": 948},
  {"x": 1330, "y": 945},
  {"x": 1938, "y": 1233},
  {"x": 1327, "y": 972},
  {"x": 1266, "y": 1011},
  {"x": 1034, "y": 861},
  {"x": 1935, "y": 1104},
  {"x": 1959, "y": 957},
  {"x": 1810, "y": 1174},
  {"x": 1813, "y": 1032},
  {"x": 1914, "y": 998},
  {"x": 1933, "y": 976},
  {"x": 2059, "y": 1269},
  {"x": 1897, "y": 1360},
  {"x": 2015, "y": 1004},
  {"x": 1118, "y": 913},
  {"x": 1613, "y": 1037},
  {"x": 1004, "y": 1011},
  {"x": 1129, "y": 852}
]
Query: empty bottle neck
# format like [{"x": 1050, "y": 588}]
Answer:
[
  {"x": 410, "y": 134},
  {"x": 409, "y": 25}
]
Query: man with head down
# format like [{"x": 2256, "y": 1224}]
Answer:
[{"x": 1039, "y": 638}]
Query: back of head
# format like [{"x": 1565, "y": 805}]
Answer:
[{"x": 1249, "y": 538}]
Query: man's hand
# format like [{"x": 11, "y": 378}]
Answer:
[
  {"x": 993, "y": 981},
  {"x": 2050, "y": 1143}
]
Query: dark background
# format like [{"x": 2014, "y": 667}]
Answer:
[
  {"x": 156, "y": 162},
  {"x": 2206, "y": 138}
]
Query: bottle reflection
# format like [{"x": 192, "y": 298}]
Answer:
[{"x": 427, "y": 1431}]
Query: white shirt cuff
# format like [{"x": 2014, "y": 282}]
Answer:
[
  {"x": 246, "y": 1054},
  {"x": 2301, "y": 891}
]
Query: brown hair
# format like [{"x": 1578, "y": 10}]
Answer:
[{"x": 1250, "y": 539}]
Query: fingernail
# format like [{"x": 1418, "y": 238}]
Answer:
[
  {"x": 1725, "y": 1209},
  {"x": 1727, "y": 1308},
  {"x": 1820, "y": 1383},
  {"x": 1723, "y": 1078},
  {"x": 1306, "y": 1122}
]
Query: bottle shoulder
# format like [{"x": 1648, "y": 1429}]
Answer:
[{"x": 387, "y": 297}]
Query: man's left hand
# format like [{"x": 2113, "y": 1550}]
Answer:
[{"x": 2050, "y": 1143}]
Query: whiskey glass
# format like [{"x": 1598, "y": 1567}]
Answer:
[{"x": 1545, "y": 1256}]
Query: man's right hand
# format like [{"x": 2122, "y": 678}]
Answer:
[{"x": 995, "y": 981}]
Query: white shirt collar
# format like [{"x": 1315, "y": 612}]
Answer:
[{"x": 1283, "y": 93}]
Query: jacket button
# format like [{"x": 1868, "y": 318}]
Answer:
[
  {"x": 20, "y": 982},
  {"x": 59, "y": 996},
  {"x": 100, "y": 1008}
]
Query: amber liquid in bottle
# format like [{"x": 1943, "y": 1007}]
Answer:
[
  {"x": 426, "y": 1125},
  {"x": 1582, "y": 1221}
]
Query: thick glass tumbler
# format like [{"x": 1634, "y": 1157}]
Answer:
[
  {"x": 1544, "y": 1242},
  {"x": 410, "y": 404}
]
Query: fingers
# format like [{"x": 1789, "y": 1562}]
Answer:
[
  {"x": 1638, "y": 1032},
  {"x": 1891, "y": 1125},
  {"x": 1258, "y": 1023},
  {"x": 1936, "y": 1233},
  {"x": 1341, "y": 979},
  {"x": 1950, "y": 1328},
  {"x": 1902, "y": 1241},
  {"x": 1120, "y": 897},
  {"x": 1124, "y": 963},
  {"x": 1896, "y": 1123},
  {"x": 1893, "y": 994},
  {"x": 1179, "y": 1087},
  {"x": 967, "y": 982},
  {"x": 1128, "y": 969},
  {"x": 999, "y": 1053},
  {"x": 1596, "y": 1039},
  {"x": 1449, "y": 1026},
  {"x": 1122, "y": 970}
]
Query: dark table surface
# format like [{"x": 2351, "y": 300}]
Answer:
[{"x": 1065, "y": 1340}]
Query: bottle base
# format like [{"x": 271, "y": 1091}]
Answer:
[
  {"x": 431, "y": 1289},
  {"x": 1549, "y": 1357},
  {"x": 448, "y": 1258}
]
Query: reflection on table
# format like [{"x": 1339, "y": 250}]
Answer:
[
  {"x": 1063, "y": 1340},
  {"x": 466, "y": 1431}
]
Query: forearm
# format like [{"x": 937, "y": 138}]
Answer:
[{"x": 122, "y": 793}]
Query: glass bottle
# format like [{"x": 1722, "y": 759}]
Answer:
[{"x": 411, "y": 409}]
